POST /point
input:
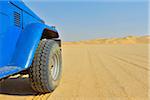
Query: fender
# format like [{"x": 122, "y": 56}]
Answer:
[{"x": 27, "y": 44}]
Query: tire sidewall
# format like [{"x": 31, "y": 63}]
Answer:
[{"x": 54, "y": 49}]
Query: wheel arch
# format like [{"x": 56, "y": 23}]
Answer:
[
  {"x": 28, "y": 42},
  {"x": 49, "y": 34}
]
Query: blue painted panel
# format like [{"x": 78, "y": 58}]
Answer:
[
  {"x": 27, "y": 19},
  {"x": 8, "y": 70},
  {"x": 23, "y": 7},
  {"x": 9, "y": 33},
  {"x": 3, "y": 28},
  {"x": 27, "y": 44},
  {"x": 18, "y": 43}
]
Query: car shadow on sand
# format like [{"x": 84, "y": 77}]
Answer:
[{"x": 16, "y": 86}]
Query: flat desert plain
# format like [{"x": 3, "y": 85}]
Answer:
[{"x": 93, "y": 71}]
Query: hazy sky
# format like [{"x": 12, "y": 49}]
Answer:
[{"x": 98, "y": 19}]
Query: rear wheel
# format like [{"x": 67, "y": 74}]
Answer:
[{"x": 45, "y": 70}]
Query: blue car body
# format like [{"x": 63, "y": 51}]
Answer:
[{"x": 20, "y": 34}]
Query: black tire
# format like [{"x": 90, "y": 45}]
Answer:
[{"x": 46, "y": 62}]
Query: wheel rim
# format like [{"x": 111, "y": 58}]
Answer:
[{"x": 55, "y": 67}]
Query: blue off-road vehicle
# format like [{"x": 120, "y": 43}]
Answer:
[{"x": 28, "y": 46}]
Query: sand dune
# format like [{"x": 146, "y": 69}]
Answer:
[
  {"x": 94, "y": 72},
  {"x": 123, "y": 40}
]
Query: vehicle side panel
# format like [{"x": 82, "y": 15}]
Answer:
[
  {"x": 20, "y": 34},
  {"x": 27, "y": 45},
  {"x": 27, "y": 19},
  {"x": 9, "y": 33},
  {"x": 23, "y": 7}
]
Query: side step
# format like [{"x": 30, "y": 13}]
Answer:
[{"x": 8, "y": 70}]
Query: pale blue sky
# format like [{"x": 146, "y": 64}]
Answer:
[{"x": 88, "y": 20}]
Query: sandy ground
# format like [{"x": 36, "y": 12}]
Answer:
[{"x": 92, "y": 72}]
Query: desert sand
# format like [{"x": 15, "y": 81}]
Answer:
[
  {"x": 121, "y": 40},
  {"x": 94, "y": 71}
]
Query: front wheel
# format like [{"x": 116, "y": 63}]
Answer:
[{"x": 45, "y": 71}]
